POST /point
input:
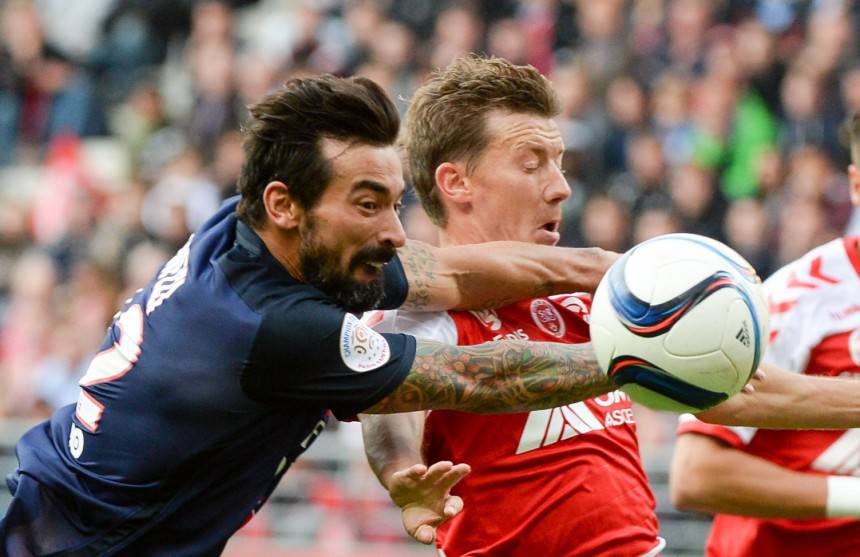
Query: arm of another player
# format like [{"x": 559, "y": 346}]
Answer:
[
  {"x": 393, "y": 447},
  {"x": 710, "y": 476},
  {"x": 784, "y": 400},
  {"x": 502, "y": 376},
  {"x": 494, "y": 274}
]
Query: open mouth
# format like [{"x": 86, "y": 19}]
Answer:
[
  {"x": 549, "y": 233},
  {"x": 372, "y": 268},
  {"x": 551, "y": 226}
]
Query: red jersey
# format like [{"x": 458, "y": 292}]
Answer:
[
  {"x": 815, "y": 329},
  {"x": 562, "y": 482}
]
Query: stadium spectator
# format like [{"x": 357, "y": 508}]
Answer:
[
  {"x": 605, "y": 223},
  {"x": 45, "y": 95}
]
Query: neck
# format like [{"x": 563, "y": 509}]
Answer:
[
  {"x": 284, "y": 248},
  {"x": 458, "y": 232}
]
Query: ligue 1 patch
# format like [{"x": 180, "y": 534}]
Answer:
[
  {"x": 362, "y": 348},
  {"x": 854, "y": 346},
  {"x": 547, "y": 318}
]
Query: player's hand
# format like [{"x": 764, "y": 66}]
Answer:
[
  {"x": 727, "y": 412},
  {"x": 424, "y": 496},
  {"x": 758, "y": 376}
]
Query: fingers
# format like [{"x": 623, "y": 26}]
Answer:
[
  {"x": 409, "y": 475},
  {"x": 453, "y": 506},
  {"x": 438, "y": 469},
  {"x": 425, "y": 534},
  {"x": 450, "y": 478},
  {"x": 415, "y": 471},
  {"x": 758, "y": 375}
]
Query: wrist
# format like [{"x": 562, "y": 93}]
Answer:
[
  {"x": 386, "y": 474},
  {"x": 843, "y": 497}
]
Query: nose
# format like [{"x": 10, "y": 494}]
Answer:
[
  {"x": 391, "y": 230},
  {"x": 557, "y": 190}
]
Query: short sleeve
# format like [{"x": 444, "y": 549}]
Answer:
[
  {"x": 312, "y": 353},
  {"x": 437, "y": 326},
  {"x": 396, "y": 285}
]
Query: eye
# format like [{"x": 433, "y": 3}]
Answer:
[
  {"x": 398, "y": 207},
  {"x": 369, "y": 205}
]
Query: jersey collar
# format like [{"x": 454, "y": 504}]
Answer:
[
  {"x": 248, "y": 239},
  {"x": 251, "y": 242}
]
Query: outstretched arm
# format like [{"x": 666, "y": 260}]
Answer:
[
  {"x": 493, "y": 274},
  {"x": 503, "y": 376},
  {"x": 710, "y": 476},
  {"x": 393, "y": 446},
  {"x": 392, "y": 442},
  {"x": 785, "y": 400}
]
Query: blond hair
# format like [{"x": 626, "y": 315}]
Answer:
[{"x": 446, "y": 120}]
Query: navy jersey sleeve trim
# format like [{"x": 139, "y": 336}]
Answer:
[
  {"x": 396, "y": 377},
  {"x": 396, "y": 285}
]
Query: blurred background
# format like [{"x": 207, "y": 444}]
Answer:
[{"x": 119, "y": 135}]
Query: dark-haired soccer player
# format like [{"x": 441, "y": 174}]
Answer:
[{"x": 214, "y": 378}]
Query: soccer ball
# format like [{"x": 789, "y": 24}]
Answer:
[{"x": 679, "y": 322}]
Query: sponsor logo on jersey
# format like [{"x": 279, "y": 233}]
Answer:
[
  {"x": 548, "y": 427},
  {"x": 489, "y": 318},
  {"x": 847, "y": 312},
  {"x": 547, "y": 318},
  {"x": 854, "y": 346},
  {"x": 362, "y": 348},
  {"x": 519, "y": 334}
]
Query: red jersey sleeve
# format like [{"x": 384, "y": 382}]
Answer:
[{"x": 690, "y": 424}]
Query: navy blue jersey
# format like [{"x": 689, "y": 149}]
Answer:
[{"x": 209, "y": 384}]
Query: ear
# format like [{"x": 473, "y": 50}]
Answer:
[
  {"x": 281, "y": 207},
  {"x": 854, "y": 184},
  {"x": 453, "y": 183}
]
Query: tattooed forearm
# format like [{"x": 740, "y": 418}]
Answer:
[
  {"x": 477, "y": 287},
  {"x": 493, "y": 274},
  {"x": 508, "y": 376},
  {"x": 419, "y": 263}
]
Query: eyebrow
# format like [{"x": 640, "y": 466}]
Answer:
[
  {"x": 552, "y": 147},
  {"x": 374, "y": 186}
]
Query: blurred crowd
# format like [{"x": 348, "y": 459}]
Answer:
[{"x": 119, "y": 132}]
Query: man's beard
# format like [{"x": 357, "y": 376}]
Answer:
[{"x": 320, "y": 266}]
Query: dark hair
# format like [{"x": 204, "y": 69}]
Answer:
[
  {"x": 284, "y": 131},
  {"x": 447, "y": 117}
]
